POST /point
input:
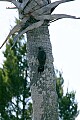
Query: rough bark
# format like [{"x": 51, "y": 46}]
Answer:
[{"x": 43, "y": 86}]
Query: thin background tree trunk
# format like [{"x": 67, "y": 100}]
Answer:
[{"x": 43, "y": 86}]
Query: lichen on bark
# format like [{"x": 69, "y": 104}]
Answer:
[{"x": 43, "y": 86}]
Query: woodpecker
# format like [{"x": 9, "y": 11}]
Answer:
[{"x": 41, "y": 59}]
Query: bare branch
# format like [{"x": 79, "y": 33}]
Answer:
[
  {"x": 16, "y": 3},
  {"x": 31, "y": 7},
  {"x": 49, "y": 8},
  {"x": 55, "y": 17},
  {"x": 11, "y": 7},
  {"x": 31, "y": 27},
  {"x": 24, "y": 4},
  {"x": 6, "y": 0},
  {"x": 15, "y": 29}
]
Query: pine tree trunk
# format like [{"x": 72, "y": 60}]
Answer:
[{"x": 43, "y": 86}]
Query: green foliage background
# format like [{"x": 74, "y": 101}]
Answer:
[{"x": 15, "y": 96}]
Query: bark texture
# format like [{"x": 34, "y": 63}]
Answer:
[{"x": 43, "y": 86}]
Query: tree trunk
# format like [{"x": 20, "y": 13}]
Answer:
[{"x": 43, "y": 86}]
